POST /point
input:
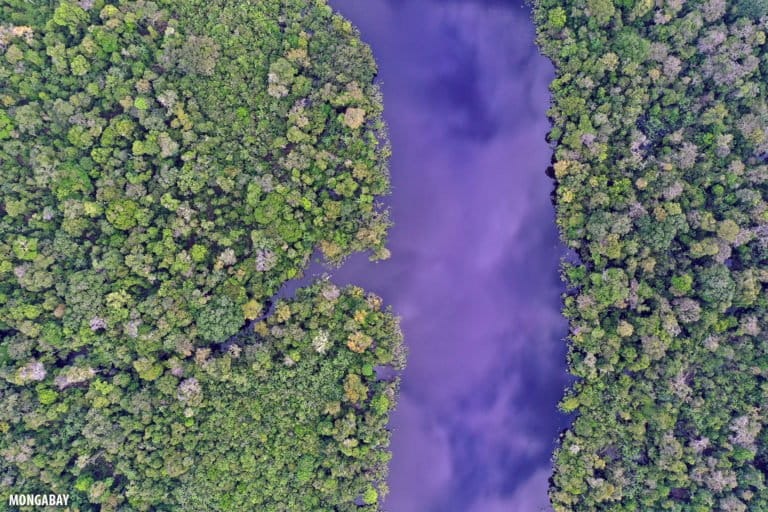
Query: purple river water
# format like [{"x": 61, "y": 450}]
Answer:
[{"x": 475, "y": 253}]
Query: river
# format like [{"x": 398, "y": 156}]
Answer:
[{"x": 475, "y": 252}]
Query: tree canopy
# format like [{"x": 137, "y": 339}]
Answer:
[
  {"x": 165, "y": 166},
  {"x": 659, "y": 121}
]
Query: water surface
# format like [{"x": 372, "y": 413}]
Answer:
[{"x": 475, "y": 253}]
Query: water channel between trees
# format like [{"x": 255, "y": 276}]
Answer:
[{"x": 475, "y": 252}]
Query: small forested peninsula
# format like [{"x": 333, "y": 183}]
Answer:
[
  {"x": 660, "y": 123},
  {"x": 164, "y": 168}
]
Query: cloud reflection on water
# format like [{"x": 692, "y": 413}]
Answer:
[{"x": 475, "y": 253}]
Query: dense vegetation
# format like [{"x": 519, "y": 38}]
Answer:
[
  {"x": 660, "y": 122},
  {"x": 164, "y": 168},
  {"x": 289, "y": 416}
]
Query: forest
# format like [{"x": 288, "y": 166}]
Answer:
[
  {"x": 165, "y": 166},
  {"x": 660, "y": 126}
]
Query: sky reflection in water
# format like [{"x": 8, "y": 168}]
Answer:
[{"x": 475, "y": 253}]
